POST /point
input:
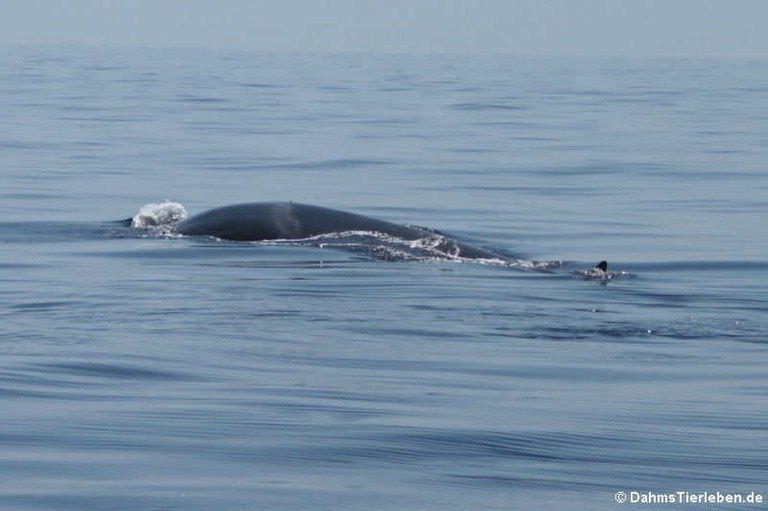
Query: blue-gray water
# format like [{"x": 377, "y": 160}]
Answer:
[{"x": 141, "y": 372}]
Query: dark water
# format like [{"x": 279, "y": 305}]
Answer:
[{"x": 146, "y": 372}]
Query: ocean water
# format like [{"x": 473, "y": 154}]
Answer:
[{"x": 152, "y": 372}]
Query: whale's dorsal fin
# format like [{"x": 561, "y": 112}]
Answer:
[{"x": 602, "y": 265}]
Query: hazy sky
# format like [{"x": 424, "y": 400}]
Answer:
[{"x": 737, "y": 28}]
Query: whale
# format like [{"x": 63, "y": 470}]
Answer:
[
  {"x": 287, "y": 221},
  {"x": 264, "y": 221}
]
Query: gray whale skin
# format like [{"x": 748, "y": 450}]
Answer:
[{"x": 260, "y": 221}]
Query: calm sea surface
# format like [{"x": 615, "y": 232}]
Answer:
[{"x": 144, "y": 372}]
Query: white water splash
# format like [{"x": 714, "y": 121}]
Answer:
[
  {"x": 437, "y": 244},
  {"x": 385, "y": 247},
  {"x": 162, "y": 216}
]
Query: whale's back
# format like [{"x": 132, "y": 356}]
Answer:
[{"x": 285, "y": 220}]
